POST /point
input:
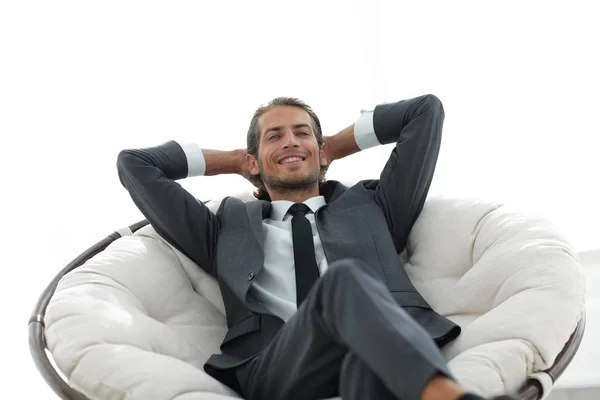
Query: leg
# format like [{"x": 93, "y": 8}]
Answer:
[
  {"x": 358, "y": 382},
  {"x": 300, "y": 363},
  {"x": 348, "y": 309}
]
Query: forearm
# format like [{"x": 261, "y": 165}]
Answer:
[
  {"x": 341, "y": 144},
  {"x": 223, "y": 162},
  {"x": 181, "y": 160},
  {"x": 356, "y": 137}
]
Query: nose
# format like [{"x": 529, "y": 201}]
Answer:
[{"x": 290, "y": 139}]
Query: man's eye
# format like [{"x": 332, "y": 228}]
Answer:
[
  {"x": 273, "y": 136},
  {"x": 303, "y": 133}
]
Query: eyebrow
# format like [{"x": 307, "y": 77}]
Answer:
[{"x": 278, "y": 128}]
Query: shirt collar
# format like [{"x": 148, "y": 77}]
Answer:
[{"x": 280, "y": 208}]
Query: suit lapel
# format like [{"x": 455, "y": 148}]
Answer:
[{"x": 257, "y": 210}]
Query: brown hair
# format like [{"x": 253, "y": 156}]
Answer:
[{"x": 252, "y": 139}]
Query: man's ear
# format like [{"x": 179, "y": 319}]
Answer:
[
  {"x": 323, "y": 155},
  {"x": 252, "y": 163}
]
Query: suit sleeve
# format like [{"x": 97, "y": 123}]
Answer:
[
  {"x": 415, "y": 125},
  {"x": 149, "y": 176}
]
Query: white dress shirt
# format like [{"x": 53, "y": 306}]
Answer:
[{"x": 275, "y": 285}]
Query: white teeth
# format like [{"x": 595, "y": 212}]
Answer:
[{"x": 290, "y": 160}]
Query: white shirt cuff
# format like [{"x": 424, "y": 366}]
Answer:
[
  {"x": 364, "y": 132},
  {"x": 195, "y": 159}
]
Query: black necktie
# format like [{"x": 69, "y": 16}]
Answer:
[{"x": 305, "y": 263}]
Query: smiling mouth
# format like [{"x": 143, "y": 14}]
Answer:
[{"x": 291, "y": 161}]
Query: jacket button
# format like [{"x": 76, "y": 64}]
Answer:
[{"x": 250, "y": 276}]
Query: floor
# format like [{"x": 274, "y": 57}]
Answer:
[{"x": 581, "y": 380}]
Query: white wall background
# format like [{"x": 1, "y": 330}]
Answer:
[{"x": 81, "y": 80}]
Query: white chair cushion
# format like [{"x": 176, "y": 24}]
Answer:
[{"x": 139, "y": 320}]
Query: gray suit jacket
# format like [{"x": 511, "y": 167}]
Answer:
[{"x": 369, "y": 221}]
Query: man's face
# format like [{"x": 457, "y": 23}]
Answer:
[{"x": 288, "y": 153}]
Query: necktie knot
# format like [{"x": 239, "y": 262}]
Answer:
[{"x": 299, "y": 209}]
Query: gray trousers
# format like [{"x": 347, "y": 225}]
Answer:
[{"x": 349, "y": 338}]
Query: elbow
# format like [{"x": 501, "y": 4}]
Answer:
[
  {"x": 432, "y": 103},
  {"x": 125, "y": 163},
  {"x": 124, "y": 158}
]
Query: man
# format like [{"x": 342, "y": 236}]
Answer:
[{"x": 317, "y": 302}]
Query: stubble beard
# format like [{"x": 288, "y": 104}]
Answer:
[{"x": 300, "y": 183}]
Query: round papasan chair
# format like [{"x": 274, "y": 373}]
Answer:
[{"x": 133, "y": 318}]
